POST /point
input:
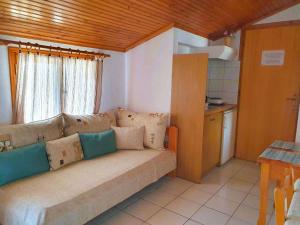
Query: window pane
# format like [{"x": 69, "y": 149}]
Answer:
[{"x": 40, "y": 77}]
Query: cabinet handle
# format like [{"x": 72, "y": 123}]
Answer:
[{"x": 212, "y": 119}]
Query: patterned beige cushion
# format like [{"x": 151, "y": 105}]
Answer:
[
  {"x": 88, "y": 123},
  {"x": 155, "y": 126},
  {"x": 64, "y": 151},
  {"x": 25, "y": 134},
  {"x": 129, "y": 137}
]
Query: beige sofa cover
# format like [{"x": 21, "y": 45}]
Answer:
[{"x": 77, "y": 193}]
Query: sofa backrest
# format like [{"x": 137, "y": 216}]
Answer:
[
  {"x": 18, "y": 135},
  {"x": 88, "y": 123}
]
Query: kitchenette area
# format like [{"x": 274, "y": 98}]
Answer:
[
  {"x": 209, "y": 95},
  {"x": 220, "y": 111}
]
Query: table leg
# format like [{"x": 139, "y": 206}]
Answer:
[{"x": 264, "y": 187}]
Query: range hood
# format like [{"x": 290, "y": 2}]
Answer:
[{"x": 216, "y": 52}]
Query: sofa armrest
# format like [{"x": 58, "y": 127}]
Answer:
[{"x": 172, "y": 138}]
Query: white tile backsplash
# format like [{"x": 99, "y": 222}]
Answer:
[
  {"x": 215, "y": 85},
  {"x": 223, "y": 80},
  {"x": 231, "y": 86}
]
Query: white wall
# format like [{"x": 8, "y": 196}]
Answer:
[
  {"x": 292, "y": 13},
  {"x": 149, "y": 69},
  {"x": 149, "y": 74},
  {"x": 184, "y": 41},
  {"x": 113, "y": 91}
]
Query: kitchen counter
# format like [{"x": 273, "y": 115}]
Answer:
[{"x": 215, "y": 109}]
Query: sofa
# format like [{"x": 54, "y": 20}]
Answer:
[{"x": 77, "y": 193}]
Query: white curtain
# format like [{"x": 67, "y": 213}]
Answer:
[
  {"x": 79, "y": 85},
  {"x": 38, "y": 87},
  {"x": 49, "y": 85}
]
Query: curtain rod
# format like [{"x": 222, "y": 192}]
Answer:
[{"x": 7, "y": 42}]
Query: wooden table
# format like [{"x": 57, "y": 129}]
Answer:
[{"x": 274, "y": 161}]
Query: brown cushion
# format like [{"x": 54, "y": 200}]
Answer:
[
  {"x": 64, "y": 151},
  {"x": 88, "y": 123},
  {"x": 155, "y": 126},
  {"x": 25, "y": 134},
  {"x": 129, "y": 137}
]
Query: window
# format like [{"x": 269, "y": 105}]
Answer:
[{"x": 45, "y": 85}]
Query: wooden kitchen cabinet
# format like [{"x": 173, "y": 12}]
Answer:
[
  {"x": 212, "y": 137},
  {"x": 187, "y": 112}
]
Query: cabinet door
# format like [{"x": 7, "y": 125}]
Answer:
[{"x": 212, "y": 141}]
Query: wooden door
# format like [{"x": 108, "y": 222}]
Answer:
[
  {"x": 269, "y": 95},
  {"x": 187, "y": 112},
  {"x": 212, "y": 136}
]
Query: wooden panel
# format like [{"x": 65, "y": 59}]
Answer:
[
  {"x": 13, "y": 61},
  {"x": 212, "y": 136},
  {"x": 269, "y": 95},
  {"x": 121, "y": 24},
  {"x": 187, "y": 112}
]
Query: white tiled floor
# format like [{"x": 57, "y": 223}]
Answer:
[{"x": 229, "y": 195}]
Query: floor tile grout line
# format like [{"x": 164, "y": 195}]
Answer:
[
  {"x": 239, "y": 207},
  {"x": 163, "y": 207}
]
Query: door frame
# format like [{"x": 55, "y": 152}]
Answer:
[{"x": 241, "y": 54}]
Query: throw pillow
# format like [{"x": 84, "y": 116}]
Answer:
[
  {"x": 155, "y": 126},
  {"x": 88, "y": 123},
  {"x": 64, "y": 151},
  {"x": 23, "y": 162},
  {"x": 5, "y": 142},
  {"x": 32, "y": 133},
  {"x": 129, "y": 137},
  {"x": 98, "y": 144}
]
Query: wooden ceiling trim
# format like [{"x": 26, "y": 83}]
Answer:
[
  {"x": 153, "y": 10},
  {"x": 201, "y": 12},
  {"x": 122, "y": 24},
  {"x": 68, "y": 27},
  {"x": 57, "y": 32},
  {"x": 124, "y": 14},
  {"x": 66, "y": 21},
  {"x": 53, "y": 32},
  {"x": 106, "y": 14},
  {"x": 219, "y": 34},
  {"x": 270, "y": 13},
  {"x": 205, "y": 19},
  {"x": 58, "y": 40},
  {"x": 77, "y": 18}
]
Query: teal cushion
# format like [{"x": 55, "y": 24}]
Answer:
[
  {"x": 97, "y": 144},
  {"x": 23, "y": 162}
]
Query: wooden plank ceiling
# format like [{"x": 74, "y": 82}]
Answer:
[{"x": 122, "y": 24}]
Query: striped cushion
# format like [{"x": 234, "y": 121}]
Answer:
[
  {"x": 297, "y": 185},
  {"x": 294, "y": 210}
]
